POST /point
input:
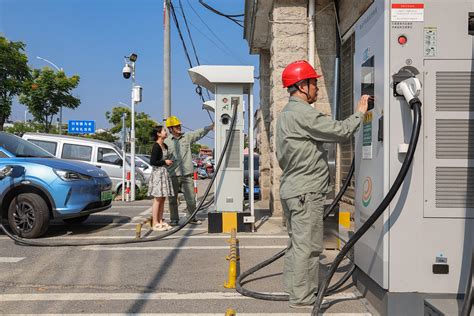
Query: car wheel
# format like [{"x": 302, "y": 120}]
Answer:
[
  {"x": 28, "y": 215},
  {"x": 76, "y": 220}
]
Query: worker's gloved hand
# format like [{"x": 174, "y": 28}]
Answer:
[{"x": 363, "y": 104}]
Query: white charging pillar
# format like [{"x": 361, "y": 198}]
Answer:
[{"x": 230, "y": 84}]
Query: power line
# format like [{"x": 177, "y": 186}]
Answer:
[
  {"x": 194, "y": 49},
  {"x": 175, "y": 19},
  {"x": 231, "y": 17},
  {"x": 225, "y": 48},
  {"x": 189, "y": 32}
]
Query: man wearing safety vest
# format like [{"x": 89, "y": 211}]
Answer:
[
  {"x": 181, "y": 171},
  {"x": 301, "y": 131}
]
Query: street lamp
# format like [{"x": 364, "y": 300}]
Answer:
[
  {"x": 127, "y": 72},
  {"x": 61, "y": 107}
]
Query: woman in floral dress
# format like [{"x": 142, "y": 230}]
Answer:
[{"x": 159, "y": 185}]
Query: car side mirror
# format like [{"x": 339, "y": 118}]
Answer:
[{"x": 6, "y": 172}]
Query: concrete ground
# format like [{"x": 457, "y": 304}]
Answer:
[{"x": 181, "y": 275}]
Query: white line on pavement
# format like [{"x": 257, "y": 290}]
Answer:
[
  {"x": 141, "y": 296},
  {"x": 100, "y": 248},
  {"x": 130, "y": 206},
  {"x": 79, "y": 237},
  {"x": 10, "y": 259},
  {"x": 201, "y": 314},
  {"x": 182, "y": 229},
  {"x": 110, "y": 213}
]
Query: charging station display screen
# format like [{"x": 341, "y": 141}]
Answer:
[{"x": 368, "y": 80}]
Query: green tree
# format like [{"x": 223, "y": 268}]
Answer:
[
  {"x": 105, "y": 136},
  {"x": 196, "y": 148},
  {"x": 20, "y": 128},
  {"x": 143, "y": 127},
  {"x": 14, "y": 71},
  {"x": 46, "y": 92}
]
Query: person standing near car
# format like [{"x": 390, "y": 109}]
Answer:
[
  {"x": 179, "y": 146},
  {"x": 159, "y": 184},
  {"x": 301, "y": 131}
]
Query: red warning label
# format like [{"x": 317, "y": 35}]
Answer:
[
  {"x": 408, "y": 12},
  {"x": 408, "y": 6}
]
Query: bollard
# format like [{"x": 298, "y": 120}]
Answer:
[
  {"x": 230, "y": 312},
  {"x": 138, "y": 227},
  {"x": 195, "y": 185},
  {"x": 127, "y": 189},
  {"x": 233, "y": 258},
  {"x": 138, "y": 230}
]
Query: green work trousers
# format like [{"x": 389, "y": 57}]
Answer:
[
  {"x": 184, "y": 184},
  {"x": 304, "y": 216}
]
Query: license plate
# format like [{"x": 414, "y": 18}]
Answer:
[{"x": 105, "y": 195}]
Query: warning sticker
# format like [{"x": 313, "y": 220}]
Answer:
[
  {"x": 430, "y": 41},
  {"x": 408, "y": 12},
  {"x": 367, "y": 136}
]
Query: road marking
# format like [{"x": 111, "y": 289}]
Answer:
[
  {"x": 10, "y": 259},
  {"x": 182, "y": 229},
  {"x": 81, "y": 237},
  {"x": 130, "y": 206},
  {"x": 109, "y": 213},
  {"x": 101, "y": 248},
  {"x": 142, "y": 296},
  {"x": 202, "y": 314}
]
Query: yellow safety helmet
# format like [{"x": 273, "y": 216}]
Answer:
[{"x": 172, "y": 121}]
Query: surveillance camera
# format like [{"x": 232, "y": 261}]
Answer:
[{"x": 127, "y": 71}]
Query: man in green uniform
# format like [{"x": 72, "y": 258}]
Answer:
[
  {"x": 181, "y": 171},
  {"x": 301, "y": 131}
]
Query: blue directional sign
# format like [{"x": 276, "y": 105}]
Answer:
[{"x": 80, "y": 127}]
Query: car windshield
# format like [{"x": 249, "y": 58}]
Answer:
[
  {"x": 145, "y": 158},
  {"x": 22, "y": 148}
]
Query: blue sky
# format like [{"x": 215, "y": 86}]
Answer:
[{"x": 90, "y": 38}]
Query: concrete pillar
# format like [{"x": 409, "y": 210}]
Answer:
[
  {"x": 288, "y": 33},
  {"x": 325, "y": 53},
  {"x": 264, "y": 135}
]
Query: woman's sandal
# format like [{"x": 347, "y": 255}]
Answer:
[
  {"x": 166, "y": 225},
  {"x": 159, "y": 228}
]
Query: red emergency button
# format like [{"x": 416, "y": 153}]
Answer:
[{"x": 402, "y": 40}]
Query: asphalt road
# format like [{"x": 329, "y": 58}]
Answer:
[{"x": 182, "y": 275}]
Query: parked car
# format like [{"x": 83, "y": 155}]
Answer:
[
  {"x": 35, "y": 188},
  {"x": 256, "y": 176},
  {"x": 143, "y": 164},
  {"x": 99, "y": 153},
  {"x": 202, "y": 173}
]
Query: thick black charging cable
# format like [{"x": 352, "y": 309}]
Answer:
[
  {"x": 415, "y": 105},
  {"x": 284, "y": 297}
]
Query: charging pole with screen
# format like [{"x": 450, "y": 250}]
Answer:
[{"x": 230, "y": 84}]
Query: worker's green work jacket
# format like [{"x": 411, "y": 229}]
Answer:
[
  {"x": 301, "y": 131},
  {"x": 179, "y": 150}
]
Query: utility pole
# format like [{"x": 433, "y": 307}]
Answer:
[
  {"x": 129, "y": 71},
  {"x": 124, "y": 153},
  {"x": 166, "y": 61},
  {"x": 132, "y": 137}
]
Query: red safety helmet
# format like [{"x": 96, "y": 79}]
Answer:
[{"x": 297, "y": 71}]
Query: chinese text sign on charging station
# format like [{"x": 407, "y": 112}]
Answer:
[{"x": 80, "y": 127}]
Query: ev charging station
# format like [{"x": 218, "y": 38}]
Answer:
[
  {"x": 230, "y": 84},
  {"x": 419, "y": 251}
]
